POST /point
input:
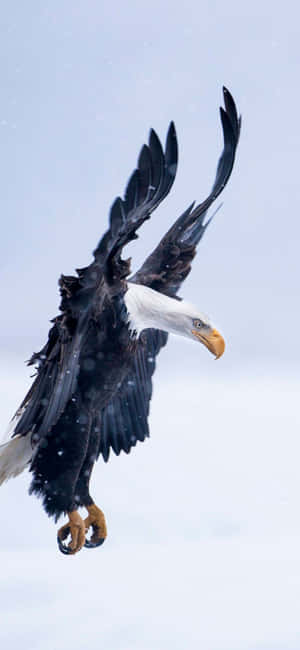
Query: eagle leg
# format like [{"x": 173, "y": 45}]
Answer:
[
  {"x": 96, "y": 520},
  {"x": 76, "y": 528}
]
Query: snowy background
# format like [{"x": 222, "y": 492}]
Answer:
[{"x": 204, "y": 518}]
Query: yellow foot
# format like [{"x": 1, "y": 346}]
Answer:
[
  {"x": 76, "y": 528},
  {"x": 96, "y": 520}
]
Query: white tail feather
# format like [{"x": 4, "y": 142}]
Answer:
[
  {"x": 14, "y": 456},
  {"x": 8, "y": 434}
]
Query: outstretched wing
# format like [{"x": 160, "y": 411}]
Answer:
[
  {"x": 148, "y": 186},
  {"x": 124, "y": 421},
  {"x": 57, "y": 371},
  {"x": 170, "y": 263},
  {"x": 83, "y": 296}
]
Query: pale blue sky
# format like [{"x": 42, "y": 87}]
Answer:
[{"x": 204, "y": 532}]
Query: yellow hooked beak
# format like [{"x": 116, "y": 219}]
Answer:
[{"x": 213, "y": 341}]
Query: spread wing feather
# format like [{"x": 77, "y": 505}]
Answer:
[
  {"x": 170, "y": 263},
  {"x": 59, "y": 361},
  {"x": 148, "y": 186},
  {"x": 164, "y": 271},
  {"x": 125, "y": 420}
]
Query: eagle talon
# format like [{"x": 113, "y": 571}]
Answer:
[
  {"x": 96, "y": 521},
  {"x": 62, "y": 547},
  {"x": 89, "y": 544},
  {"x": 76, "y": 528}
]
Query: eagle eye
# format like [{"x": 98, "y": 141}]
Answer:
[{"x": 198, "y": 323}]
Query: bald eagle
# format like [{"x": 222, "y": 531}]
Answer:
[{"x": 93, "y": 386}]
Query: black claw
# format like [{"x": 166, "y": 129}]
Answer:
[
  {"x": 63, "y": 548},
  {"x": 89, "y": 544}
]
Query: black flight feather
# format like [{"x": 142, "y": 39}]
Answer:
[{"x": 168, "y": 266}]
